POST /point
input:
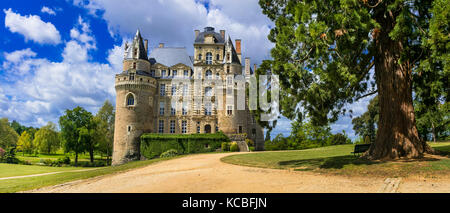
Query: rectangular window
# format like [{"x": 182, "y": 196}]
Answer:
[
  {"x": 161, "y": 126},
  {"x": 229, "y": 110},
  {"x": 208, "y": 91},
  {"x": 173, "y": 110},
  {"x": 163, "y": 73},
  {"x": 161, "y": 108},
  {"x": 186, "y": 73},
  {"x": 152, "y": 73},
  {"x": 230, "y": 80},
  {"x": 240, "y": 129},
  {"x": 131, "y": 76},
  {"x": 198, "y": 129},
  {"x": 184, "y": 127},
  {"x": 184, "y": 109},
  {"x": 185, "y": 89},
  {"x": 172, "y": 126},
  {"x": 174, "y": 89},
  {"x": 162, "y": 90},
  {"x": 208, "y": 109}
]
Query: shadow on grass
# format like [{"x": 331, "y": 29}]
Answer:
[
  {"x": 337, "y": 162},
  {"x": 443, "y": 150}
]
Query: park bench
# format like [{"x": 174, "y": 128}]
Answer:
[{"x": 361, "y": 148}]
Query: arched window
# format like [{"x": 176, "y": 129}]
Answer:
[
  {"x": 208, "y": 74},
  {"x": 208, "y": 58},
  {"x": 217, "y": 76},
  {"x": 130, "y": 100}
]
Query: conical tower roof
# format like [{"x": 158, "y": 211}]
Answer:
[{"x": 137, "y": 49}]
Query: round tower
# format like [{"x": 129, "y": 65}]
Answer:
[{"x": 135, "y": 89}]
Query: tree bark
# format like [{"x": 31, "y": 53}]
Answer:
[
  {"x": 397, "y": 134},
  {"x": 91, "y": 154}
]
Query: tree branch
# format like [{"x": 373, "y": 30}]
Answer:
[{"x": 368, "y": 94}]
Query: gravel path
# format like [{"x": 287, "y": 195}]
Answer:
[{"x": 205, "y": 173}]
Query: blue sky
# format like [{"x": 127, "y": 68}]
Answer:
[{"x": 59, "y": 54}]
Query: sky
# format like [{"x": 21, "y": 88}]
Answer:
[{"x": 59, "y": 54}]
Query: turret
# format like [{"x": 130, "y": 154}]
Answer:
[{"x": 135, "y": 89}]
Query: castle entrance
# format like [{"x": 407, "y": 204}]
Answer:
[{"x": 207, "y": 128}]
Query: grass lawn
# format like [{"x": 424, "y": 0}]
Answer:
[
  {"x": 37, "y": 159},
  {"x": 11, "y": 170},
  {"x": 338, "y": 160},
  {"x": 22, "y": 184}
]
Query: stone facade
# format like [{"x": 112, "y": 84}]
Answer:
[{"x": 170, "y": 92}]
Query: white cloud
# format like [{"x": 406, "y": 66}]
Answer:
[
  {"x": 32, "y": 28},
  {"x": 47, "y": 88},
  {"x": 48, "y": 10},
  {"x": 173, "y": 21}
]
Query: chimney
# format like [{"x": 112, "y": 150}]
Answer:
[
  {"x": 254, "y": 68},
  {"x": 196, "y": 33},
  {"x": 146, "y": 46},
  {"x": 222, "y": 33},
  {"x": 161, "y": 45},
  {"x": 238, "y": 49},
  {"x": 247, "y": 66}
]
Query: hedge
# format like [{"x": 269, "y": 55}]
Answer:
[{"x": 153, "y": 145}]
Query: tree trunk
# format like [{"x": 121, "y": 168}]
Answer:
[
  {"x": 91, "y": 154},
  {"x": 397, "y": 134},
  {"x": 434, "y": 132},
  {"x": 76, "y": 159}
]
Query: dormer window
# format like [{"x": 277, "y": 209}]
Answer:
[
  {"x": 228, "y": 56},
  {"x": 208, "y": 74},
  {"x": 135, "y": 53},
  {"x": 199, "y": 56},
  {"x": 217, "y": 57},
  {"x": 134, "y": 65},
  {"x": 131, "y": 76}
]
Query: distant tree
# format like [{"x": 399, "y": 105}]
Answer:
[
  {"x": 73, "y": 123},
  {"x": 365, "y": 124},
  {"x": 25, "y": 143},
  {"x": 104, "y": 133},
  {"x": 433, "y": 120},
  {"x": 17, "y": 127},
  {"x": 8, "y": 137},
  {"x": 46, "y": 139}
]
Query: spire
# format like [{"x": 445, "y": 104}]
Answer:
[{"x": 137, "y": 49}]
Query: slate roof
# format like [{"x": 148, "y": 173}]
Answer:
[
  {"x": 170, "y": 56},
  {"x": 209, "y": 31},
  {"x": 137, "y": 41}
]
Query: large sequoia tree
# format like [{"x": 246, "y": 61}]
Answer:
[{"x": 332, "y": 53}]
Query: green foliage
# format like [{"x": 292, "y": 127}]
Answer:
[
  {"x": 169, "y": 153},
  {"x": 152, "y": 145},
  {"x": 225, "y": 146},
  {"x": 234, "y": 147},
  {"x": 433, "y": 122},
  {"x": 8, "y": 137},
  {"x": 77, "y": 131},
  {"x": 249, "y": 142},
  {"x": 365, "y": 125},
  {"x": 10, "y": 156},
  {"x": 25, "y": 143},
  {"x": 46, "y": 139},
  {"x": 104, "y": 132},
  {"x": 339, "y": 139}
]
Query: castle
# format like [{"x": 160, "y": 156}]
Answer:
[{"x": 170, "y": 92}]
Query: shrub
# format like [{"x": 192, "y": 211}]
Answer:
[
  {"x": 234, "y": 147},
  {"x": 25, "y": 162},
  {"x": 249, "y": 142},
  {"x": 10, "y": 156},
  {"x": 64, "y": 160},
  {"x": 2, "y": 153},
  {"x": 338, "y": 139},
  {"x": 225, "y": 147},
  {"x": 153, "y": 145},
  {"x": 169, "y": 153},
  {"x": 251, "y": 148}
]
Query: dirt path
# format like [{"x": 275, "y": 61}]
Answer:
[{"x": 206, "y": 173}]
